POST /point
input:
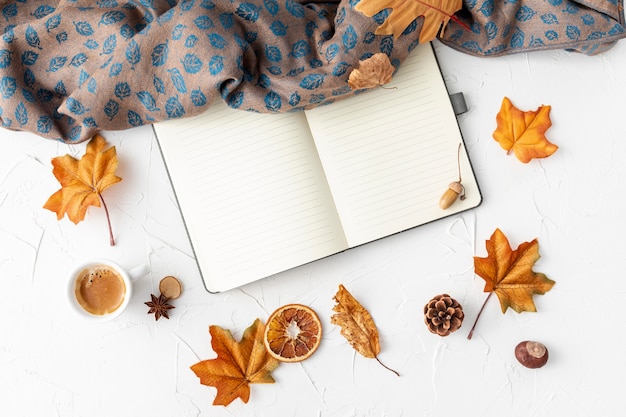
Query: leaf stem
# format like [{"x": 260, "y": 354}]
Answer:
[
  {"x": 106, "y": 210},
  {"x": 386, "y": 367},
  {"x": 469, "y": 336},
  {"x": 451, "y": 16}
]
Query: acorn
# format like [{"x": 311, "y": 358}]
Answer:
[
  {"x": 531, "y": 354},
  {"x": 455, "y": 189}
]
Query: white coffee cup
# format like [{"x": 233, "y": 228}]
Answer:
[{"x": 100, "y": 289}]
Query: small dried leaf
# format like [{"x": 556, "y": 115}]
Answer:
[
  {"x": 356, "y": 323},
  {"x": 238, "y": 364},
  {"x": 523, "y": 133},
  {"x": 372, "y": 72}
]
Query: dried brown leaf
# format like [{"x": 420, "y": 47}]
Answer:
[
  {"x": 357, "y": 325},
  {"x": 372, "y": 72},
  {"x": 436, "y": 14}
]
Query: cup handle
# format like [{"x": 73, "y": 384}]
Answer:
[{"x": 139, "y": 271}]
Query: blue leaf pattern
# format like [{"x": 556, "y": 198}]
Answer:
[
  {"x": 198, "y": 98},
  {"x": 78, "y": 59},
  {"x": 108, "y": 47},
  {"x": 8, "y": 85},
  {"x": 53, "y": 22},
  {"x": 203, "y": 22},
  {"x": 56, "y": 63},
  {"x": 524, "y": 14},
  {"x": 300, "y": 49},
  {"x": 331, "y": 52},
  {"x": 111, "y": 109},
  {"x": 83, "y": 28},
  {"x": 191, "y": 63},
  {"x": 147, "y": 100},
  {"x": 296, "y": 9},
  {"x": 271, "y": 6},
  {"x": 134, "y": 119},
  {"x": 44, "y": 125},
  {"x": 158, "y": 84},
  {"x": 75, "y": 106},
  {"x": 115, "y": 70},
  {"x": 159, "y": 54},
  {"x": 43, "y": 11},
  {"x": 273, "y": 53},
  {"x": 492, "y": 30},
  {"x": 21, "y": 114},
  {"x": 112, "y": 17},
  {"x": 92, "y": 86},
  {"x": 312, "y": 81},
  {"x": 235, "y": 100},
  {"x": 5, "y": 58},
  {"x": 349, "y": 38},
  {"x": 178, "y": 80},
  {"x": 487, "y": 8},
  {"x": 517, "y": 40},
  {"x": 550, "y": 19},
  {"x": 29, "y": 78},
  {"x": 572, "y": 32},
  {"x": 32, "y": 38},
  {"x": 248, "y": 11},
  {"x": 273, "y": 101},
  {"x": 386, "y": 45},
  {"x": 133, "y": 52},
  {"x": 217, "y": 41},
  {"x": 278, "y": 28},
  {"x": 122, "y": 90},
  {"x": 216, "y": 64},
  {"x": 173, "y": 108},
  {"x": 258, "y": 55}
]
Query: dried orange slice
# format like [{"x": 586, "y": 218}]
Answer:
[{"x": 292, "y": 333}]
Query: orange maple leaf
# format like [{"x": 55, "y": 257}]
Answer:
[
  {"x": 436, "y": 14},
  {"x": 238, "y": 364},
  {"x": 524, "y": 132},
  {"x": 82, "y": 181},
  {"x": 508, "y": 273}
]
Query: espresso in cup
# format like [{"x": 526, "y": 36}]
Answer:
[{"x": 100, "y": 289}]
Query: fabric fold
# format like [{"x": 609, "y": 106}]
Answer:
[{"x": 69, "y": 69}]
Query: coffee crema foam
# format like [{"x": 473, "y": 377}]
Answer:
[{"x": 100, "y": 289}]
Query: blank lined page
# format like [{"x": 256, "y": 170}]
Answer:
[
  {"x": 390, "y": 153},
  {"x": 252, "y": 193}
]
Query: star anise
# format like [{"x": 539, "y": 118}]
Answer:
[{"x": 159, "y": 306}]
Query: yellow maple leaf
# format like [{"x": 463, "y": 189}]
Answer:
[
  {"x": 436, "y": 14},
  {"x": 82, "y": 181},
  {"x": 523, "y": 132},
  {"x": 238, "y": 364},
  {"x": 508, "y": 273}
]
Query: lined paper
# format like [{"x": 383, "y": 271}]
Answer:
[
  {"x": 261, "y": 193},
  {"x": 252, "y": 193},
  {"x": 390, "y": 153}
]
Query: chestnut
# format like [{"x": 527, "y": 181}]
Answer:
[{"x": 531, "y": 354}]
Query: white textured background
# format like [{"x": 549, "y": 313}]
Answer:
[{"x": 53, "y": 364}]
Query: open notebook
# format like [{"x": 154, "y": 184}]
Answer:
[{"x": 261, "y": 194}]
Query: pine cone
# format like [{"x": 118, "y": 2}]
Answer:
[{"x": 443, "y": 315}]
